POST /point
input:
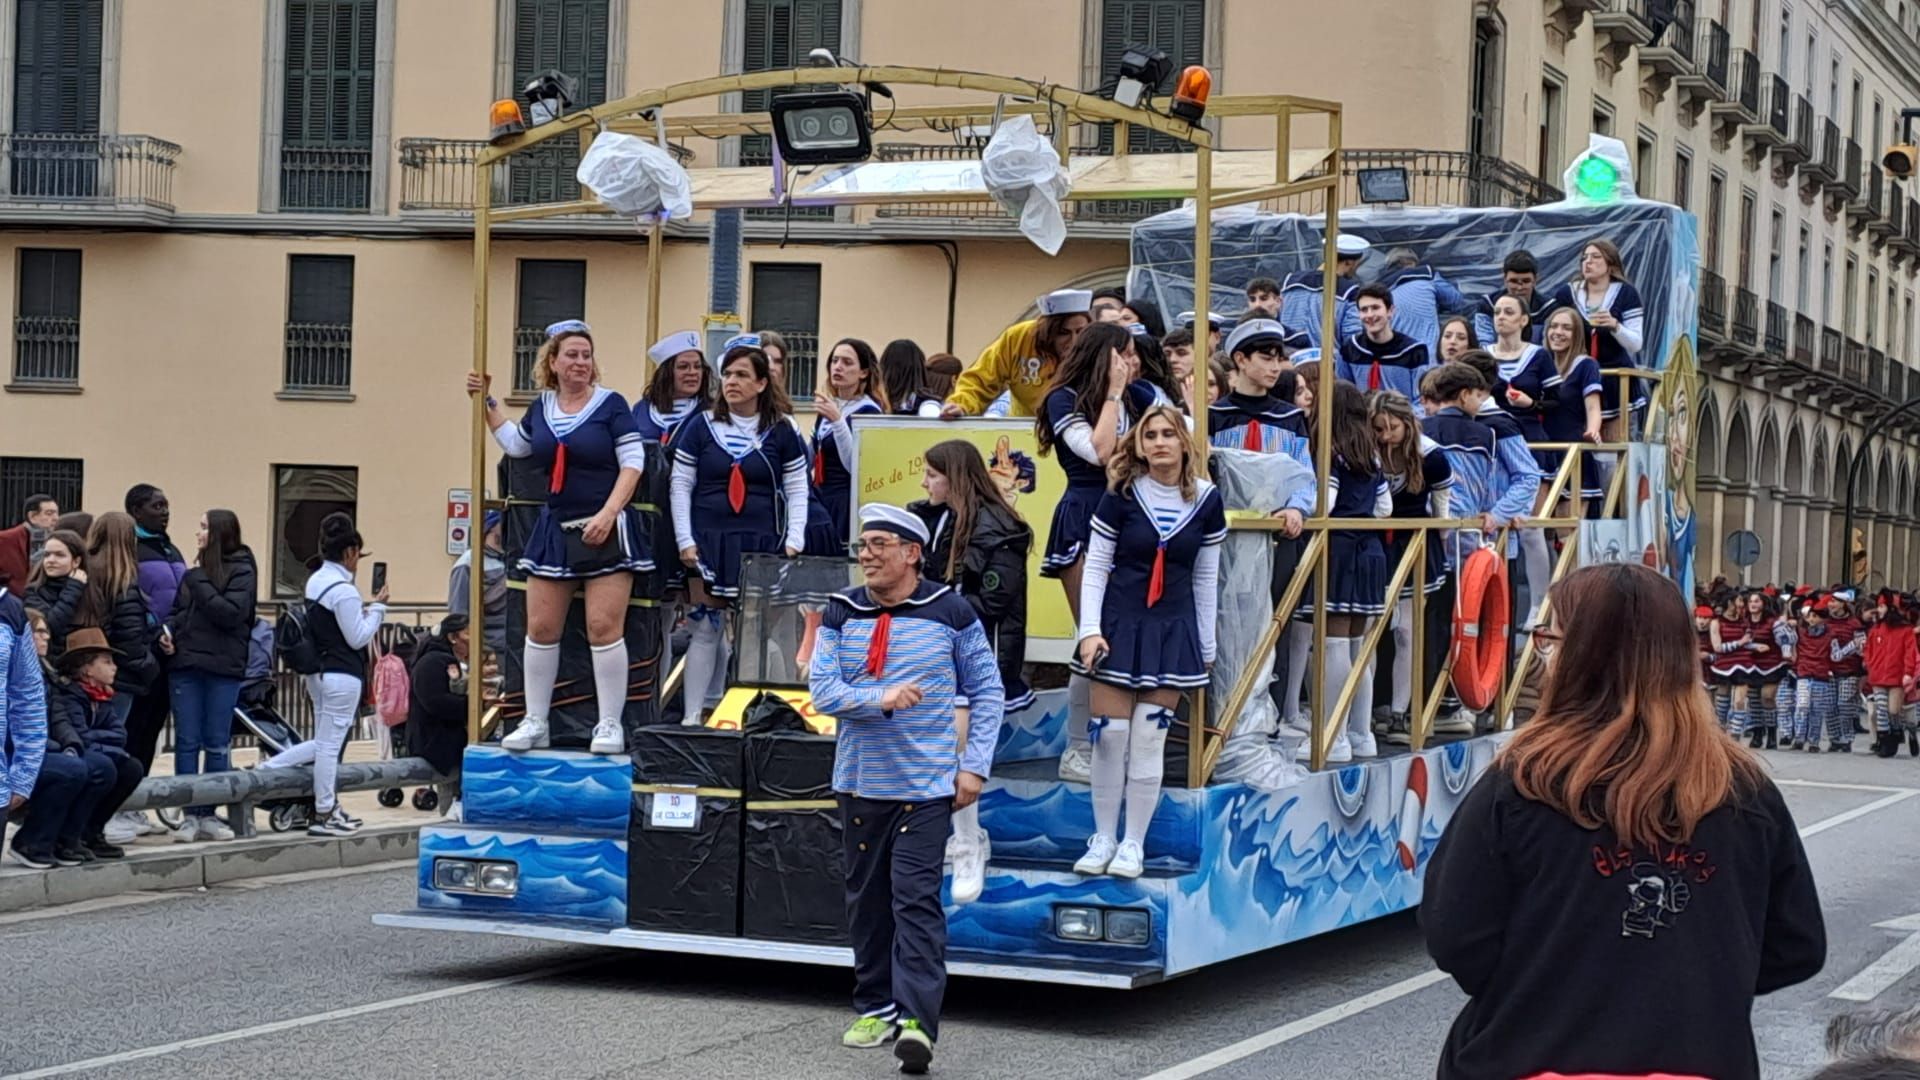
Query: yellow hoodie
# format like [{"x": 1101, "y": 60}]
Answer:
[{"x": 1012, "y": 362}]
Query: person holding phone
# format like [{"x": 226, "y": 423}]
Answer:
[
  {"x": 342, "y": 628},
  {"x": 211, "y": 626},
  {"x": 853, "y": 387},
  {"x": 1149, "y": 600},
  {"x": 585, "y": 436}
]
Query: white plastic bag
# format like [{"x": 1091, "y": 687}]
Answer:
[
  {"x": 1613, "y": 152},
  {"x": 634, "y": 177},
  {"x": 1023, "y": 173}
]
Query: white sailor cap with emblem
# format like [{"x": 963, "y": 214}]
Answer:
[
  {"x": 902, "y": 523},
  {"x": 674, "y": 344},
  {"x": 1351, "y": 246},
  {"x": 1215, "y": 320},
  {"x": 1066, "y": 302},
  {"x": 1254, "y": 332}
]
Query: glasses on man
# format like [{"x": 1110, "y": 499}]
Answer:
[{"x": 879, "y": 546}]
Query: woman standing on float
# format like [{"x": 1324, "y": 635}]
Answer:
[
  {"x": 1525, "y": 372},
  {"x": 585, "y": 436},
  {"x": 853, "y": 387},
  {"x": 682, "y": 385},
  {"x": 1148, "y": 605},
  {"x": 739, "y": 488}
]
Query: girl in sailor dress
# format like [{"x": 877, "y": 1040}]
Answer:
[
  {"x": 1081, "y": 419},
  {"x": 585, "y": 434},
  {"x": 1573, "y": 409},
  {"x": 739, "y": 487},
  {"x": 682, "y": 384},
  {"x": 1526, "y": 370},
  {"x": 1615, "y": 318},
  {"x": 1148, "y": 607},
  {"x": 854, "y": 387},
  {"x": 1357, "y": 570},
  {"x": 1420, "y": 478}
]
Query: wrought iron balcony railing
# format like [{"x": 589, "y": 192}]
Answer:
[
  {"x": 116, "y": 171},
  {"x": 46, "y": 351},
  {"x": 437, "y": 174}
]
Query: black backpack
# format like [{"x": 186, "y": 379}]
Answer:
[{"x": 293, "y": 635}]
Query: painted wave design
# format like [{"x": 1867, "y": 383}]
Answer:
[
  {"x": 1037, "y": 731},
  {"x": 547, "y": 791},
  {"x": 1014, "y": 916},
  {"x": 1048, "y": 819},
  {"x": 568, "y": 877}
]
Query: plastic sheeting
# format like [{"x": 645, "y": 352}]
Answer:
[
  {"x": 634, "y": 177},
  {"x": 1263, "y": 483},
  {"x": 685, "y": 875},
  {"x": 1023, "y": 173},
  {"x": 1658, "y": 243},
  {"x": 794, "y": 887}
]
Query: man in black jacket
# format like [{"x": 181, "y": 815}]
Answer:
[{"x": 437, "y": 713}]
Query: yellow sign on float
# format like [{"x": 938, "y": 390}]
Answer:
[
  {"x": 732, "y": 712},
  {"x": 892, "y": 462}
]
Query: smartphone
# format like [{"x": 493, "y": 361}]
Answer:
[{"x": 379, "y": 576}]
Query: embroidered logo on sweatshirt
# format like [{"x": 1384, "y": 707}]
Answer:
[{"x": 1659, "y": 886}]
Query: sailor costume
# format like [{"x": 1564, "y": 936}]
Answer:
[
  {"x": 737, "y": 489},
  {"x": 1151, "y": 585},
  {"x": 1566, "y": 420},
  {"x": 1614, "y": 348},
  {"x": 583, "y": 453}
]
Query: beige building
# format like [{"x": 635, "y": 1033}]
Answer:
[{"x": 240, "y": 267}]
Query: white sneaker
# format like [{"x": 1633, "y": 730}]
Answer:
[
  {"x": 1128, "y": 860},
  {"x": 188, "y": 832},
  {"x": 1458, "y": 722},
  {"x": 1295, "y": 727},
  {"x": 1076, "y": 764},
  {"x": 608, "y": 738},
  {"x": 212, "y": 828},
  {"x": 1100, "y": 851},
  {"x": 333, "y": 824},
  {"x": 1341, "y": 753},
  {"x": 969, "y": 855},
  {"x": 453, "y": 812},
  {"x": 1362, "y": 743},
  {"x": 148, "y": 827},
  {"x": 530, "y": 735},
  {"x": 123, "y": 828}
]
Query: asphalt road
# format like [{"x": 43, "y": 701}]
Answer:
[{"x": 288, "y": 978}]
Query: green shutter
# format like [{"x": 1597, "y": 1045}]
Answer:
[
  {"x": 56, "y": 67},
  {"x": 568, "y": 36},
  {"x": 1176, "y": 26},
  {"x": 326, "y": 116},
  {"x": 780, "y": 34}
]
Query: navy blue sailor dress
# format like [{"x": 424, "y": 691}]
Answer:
[
  {"x": 1567, "y": 421},
  {"x": 583, "y": 454},
  {"x": 1531, "y": 373},
  {"x": 1357, "y": 569},
  {"x": 1623, "y": 301},
  {"x": 832, "y": 473},
  {"x": 1436, "y": 474},
  {"x": 1086, "y": 480},
  {"x": 741, "y": 499},
  {"x": 656, "y": 431},
  {"x": 1160, "y": 598}
]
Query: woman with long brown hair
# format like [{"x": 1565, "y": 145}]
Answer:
[
  {"x": 113, "y": 603},
  {"x": 1624, "y": 880},
  {"x": 1570, "y": 402},
  {"x": 212, "y": 626}
]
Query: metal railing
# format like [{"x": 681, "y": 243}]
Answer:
[
  {"x": 526, "y": 350},
  {"x": 1678, "y": 35},
  {"x": 1778, "y": 322},
  {"x": 1853, "y": 363},
  {"x": 1912, "y": 231},
  {"x": 1804, "y": 338},
  {"x": 1713, "y": 306},
  {"x": 1876, "y": 195},
  {"x": 330, "y": 178},
  {"x": 1897, "y": 381},
  {"x": 1746, "y": 316},
  {"x": 1712, "y": 53},
  {"x": 239, "y": 791},
  {"x": 319, "y": 357},
  {"x": 1853, "y": 170},
  {"x": 89, "y": 170},
  {"x": 437, "y": 174},
  {"x": 1744, "y": 71},
  {"x": 803, "y": 363},
  {"x": 1879, "y": 373},
  {"x": 1825, "y": 162},
  {"x": 1800, "y": 146},
  {"x": 46, "y": 350},
  {"x": 1896, "y": 220},
  {"x": 1832, "y": 346},
  {"x": 1779, "y": 107}
]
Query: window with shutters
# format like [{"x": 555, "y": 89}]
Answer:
[
  {"x": 55, "y": 145},
  {"x": 780, "y": 34},
  {"x": 303, "y": 496},
  {"x": 550, "y": 290},
  {"x": 319, "y": 351},
  {"x": 569, "y": 36},
  {"x": 46, "y": 318},
  {"x": 786, "y": 298},
  {"x": 1176, "y": 27},
  {"x": 326, "y": 142},
  {"x": 21, "y": 478}
]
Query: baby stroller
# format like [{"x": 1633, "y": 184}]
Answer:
[
  {"x": 402, "y": 645},
  {"x": 257, "y": 716}
]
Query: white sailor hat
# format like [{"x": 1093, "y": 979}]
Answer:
[
  {"x": 902, "y": 523},
  {"x": 1255, "y": 332},
  {"x": 1350, "y": 246},
  {"x": 673, "y": 345},
  {"x": 568, "y": 326},
  {"x": 1215, "y": 320},
  {"x": 740, "y": 341},
  {"x": 1066, "y": 302}
]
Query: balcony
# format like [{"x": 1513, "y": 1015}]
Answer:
[
  {"x": 1853, "y": 363},
  {"x": 1825, "y": 165},
  {"x": 1879, "y": 373},
  {"x": 1885, "y": 233},
  {"x": 1746, "y": 318},
  {"x": 1799, "y": 146},
  {"x": 1778, "y": 323},
  {"x": 119, "y": 173},
  {"x": 1740, "y": 104},
  {"x": 1565, "y": 16},
  {"x": 1670, "y": 55},
  {"x": 1713, "y": 307},
  {"x": 436, "y": 175},
  {"x": 1878, "y": 189},
  {"x": 1907, "y": 243},
  {"x": 1804, "y": 338},
  {"x": 1619, "y": 27},
  {"x": 329, "y": 179},
  {"x": 1707, "y": 83},
  {"x": 1832, "y": 350},
  {"x": 1852, "y": 169},
  {"x": 1774, "y": 124},
  {"x": 46, "y": 352}
]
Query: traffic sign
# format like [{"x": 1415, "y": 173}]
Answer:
[
  {"x": 1743, "y": 548},
  {"x": 459, "y": 520}
]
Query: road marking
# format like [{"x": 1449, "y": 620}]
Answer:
[
  {"x": 277, "y": 1026},
  {"x": 1292, "y": 1030},
  {"x": 1841, "y": 787},
  {"x": 1896, "y": 964}
]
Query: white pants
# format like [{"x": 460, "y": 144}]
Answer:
[{"x": 336, "y": 698}]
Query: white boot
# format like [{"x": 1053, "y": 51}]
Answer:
[
  {"x": 530, "y": 735},
  {"x": 608, "y": 738}
]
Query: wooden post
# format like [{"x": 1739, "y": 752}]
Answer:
[{"x": 476, "y": 540}]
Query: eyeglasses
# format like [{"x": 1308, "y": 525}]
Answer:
[
  {"x": 878, "y": 547},
  {"x": 1545, "y": 640}
]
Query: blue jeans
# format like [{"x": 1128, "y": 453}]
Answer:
[
  {"x": 203, "y": 707},
  {"x": 63, "y": 800}
]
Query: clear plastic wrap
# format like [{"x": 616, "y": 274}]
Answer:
[
  {"x": 1023, "y": 173},
  {"x": 1261, "y": 483},
  {"x": 1658, "y": 243},
  {"x": 634, "y": 177}
]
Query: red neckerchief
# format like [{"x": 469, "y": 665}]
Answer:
[
  {"x": 877, "y": 645},
  {"x": 97, "y": 693}
]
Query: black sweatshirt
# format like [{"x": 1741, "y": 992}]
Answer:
[{"x": 1583, "y": 957}]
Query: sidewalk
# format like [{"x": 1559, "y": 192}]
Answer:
[{"x": 156, "y": 862}]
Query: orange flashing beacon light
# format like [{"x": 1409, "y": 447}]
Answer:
[
  {"x": 1190, "y": 94},
  {"x": 505, "y": 121}
]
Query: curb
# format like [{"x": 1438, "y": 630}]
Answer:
[{"x": 203, "y": 865}]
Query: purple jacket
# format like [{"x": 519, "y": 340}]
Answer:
[{"x": 161, "y": 569}]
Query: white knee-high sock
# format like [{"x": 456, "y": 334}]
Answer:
[
  {"x": 1360, "y": 713},
  {"x": 703, "y": 656},
  {"x": 1299, "y": 652},
  {"x": 1337, "y": 666},
  {"x": 1145, "y": 766},
  {"x": 1079, "y": 709},
  {"x": 1539, "y": 571},
  {"x": 541, "y": 664},
  {"x": 1109, "y": 735},
  {"x": 610, "y": 679},
  {"x": 717, "y": 684},
  {"x": 1402, "y": 656}
]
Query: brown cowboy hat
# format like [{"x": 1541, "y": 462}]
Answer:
[{"x": 83, "y": 644}]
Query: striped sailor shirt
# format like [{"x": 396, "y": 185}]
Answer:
[{"x": 931, "y": 638}]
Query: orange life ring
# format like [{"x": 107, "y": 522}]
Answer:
[{"x": 1479, "y": 655}]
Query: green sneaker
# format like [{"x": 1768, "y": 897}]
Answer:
[
  {"x": 868, "y": 1032},
  {"x": 913, "y": 1048}
]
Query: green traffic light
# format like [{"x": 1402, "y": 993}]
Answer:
[{"x": 1596, "y": 178}]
